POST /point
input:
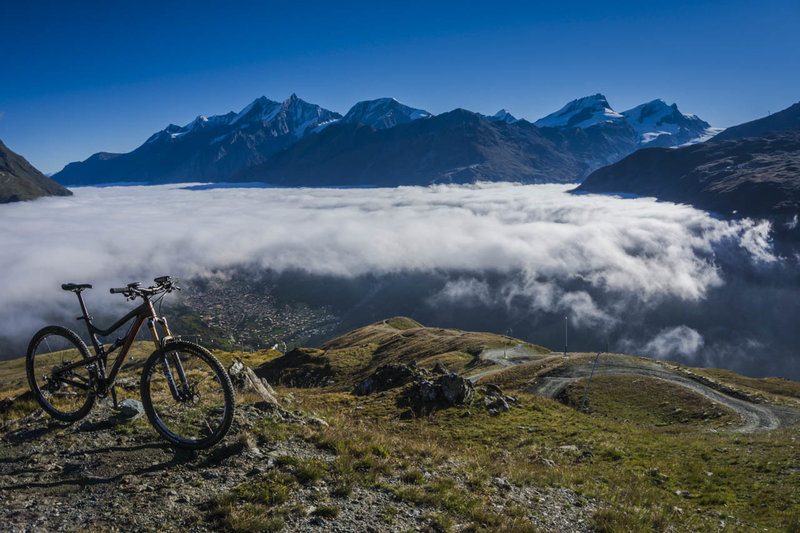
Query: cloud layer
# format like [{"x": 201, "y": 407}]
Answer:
[{"x": 593, "y": 257}]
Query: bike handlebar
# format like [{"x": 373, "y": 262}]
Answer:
[{"x": 163, "y": 284}]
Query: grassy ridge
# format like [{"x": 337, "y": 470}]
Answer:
[
  {"x": 641, "y": 478},
  {"x": 343, "y": 361},
  {"x": 651, "y": 456}
]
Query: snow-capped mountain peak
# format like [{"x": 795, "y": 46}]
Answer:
[
  {"x": 503, "y": 116},
  {"x": 659, "y": 124},
  {"x": 383, "y": 113},
  {"x": 581, "y": 113},
  {"x": 261, "y": 108},
  {"x": 300, "y": 117}
]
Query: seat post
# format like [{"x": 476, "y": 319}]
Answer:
[{"x": 85, "y": 312}]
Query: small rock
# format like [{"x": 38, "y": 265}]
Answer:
[
  {"x": 585, "y": 456},
  {"x": 130, "y": 409},
  {"x": 547, "y": 462},
  {"x": 493, "y": 390},
  {"x": 440, "y": 369},
  {"x": 314, "y": 421},
  {"x": 682, "y": 493},
  {"x": 568, "y": 448},
  {"x": 499, "y": 405},
  {"x": 501, "y": 483},
  {"x": 127, "y": 383}
]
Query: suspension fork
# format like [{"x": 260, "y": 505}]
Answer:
[{"x": 168, "y": 357}]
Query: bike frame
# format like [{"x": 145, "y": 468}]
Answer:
[{"x": 142, "y": 313}]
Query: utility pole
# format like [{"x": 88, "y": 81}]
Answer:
[
  {"x": 586, "y": 393},
  {"x": 566, "y": 325}
]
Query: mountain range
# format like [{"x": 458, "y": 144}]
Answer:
[
  {"x": 384, "y": 143},
  {"x": 19, "y": 180},
  {"x": 752, "y": 169}
]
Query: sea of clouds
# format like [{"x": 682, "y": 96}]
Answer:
[{"x": 651, "y": 277}]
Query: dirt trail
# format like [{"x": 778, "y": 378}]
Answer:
[
  {"x": 755, "y": 417},
  {"x": 506, "y": 357}
]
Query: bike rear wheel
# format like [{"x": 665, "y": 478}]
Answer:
[
  {"x": 187, "y": 395},
  {"x": 64, "y": 394}
]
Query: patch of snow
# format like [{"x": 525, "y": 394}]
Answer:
[
  {"x": 581, "y": 113},
  {"x": 503, "y": 116},
  {"x": 653, "y": 119},
  {"x": 322, "y": 125},
  {"x": 383, "y": 113},
  {"x": 707, "y": 134}
]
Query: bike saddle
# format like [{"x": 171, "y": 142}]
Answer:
[{"x": 77, "y": 287}]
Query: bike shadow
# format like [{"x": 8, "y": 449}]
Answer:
[{"x": 73, "y": 474}]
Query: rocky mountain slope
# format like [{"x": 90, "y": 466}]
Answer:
[
  {"x": 659, "y": 124},
  {"x": 455, "y": 147},
  {"x": 19, "y": 180},
  {"x": 603, "y": 136},
  {"x": 786, "y": 120},
  {"x": 744, "y": 176},
  {"x": 383, "y": 113},
  {"x": 499, "y": 457},
  {"x": 325, "y": 148},
  {"x": 208, "y": 148}
]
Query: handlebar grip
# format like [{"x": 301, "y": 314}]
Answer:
[{"x": 119, "y": 290}]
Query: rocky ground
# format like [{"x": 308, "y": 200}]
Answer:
[
  {"x": 399, "y": 442},
  {"x": 104, "y": 473}
]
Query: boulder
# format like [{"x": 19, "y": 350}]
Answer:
[
  {"x": 387, "y": 377},
  {"x": 455, "y": 389},
  {"x": 245, "y": 380},
  {"x": 425, "y": 395},
  {"x": 439, "y": 368}
]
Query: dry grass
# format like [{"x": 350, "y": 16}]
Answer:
[
  {"x": 771, "y": 386},
  {"x": 343, "y": 361},
  {"x": 649, "y": 402}
]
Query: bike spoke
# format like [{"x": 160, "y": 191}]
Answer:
[
  {"x": 64, "y": 394},
  {"x": 188, "y": 399}
]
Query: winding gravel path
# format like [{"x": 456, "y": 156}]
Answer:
[
  {"x": 505, "y": 357},
  {"x": 755, "y": 417}
]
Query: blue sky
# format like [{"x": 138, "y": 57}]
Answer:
[{"x": 83, "y": 77}]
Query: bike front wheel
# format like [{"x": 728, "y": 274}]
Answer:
[
  {"x": 187, "y": 395},
  {"x": 62, "y": 385}
]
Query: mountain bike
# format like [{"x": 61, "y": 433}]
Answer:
[{"x": 185, "y": 391}]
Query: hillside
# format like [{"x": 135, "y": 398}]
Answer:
[
  {"x": 19, "y": 180},
  {"x": 454, "y": 147},
  {"x": 753, "y": 176},
  {"x": 652, "y": 451},
  {"x": 343, "y": 361},
  {"x": 207, "y": 149},
  {"x": 785, "y": 120}
]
